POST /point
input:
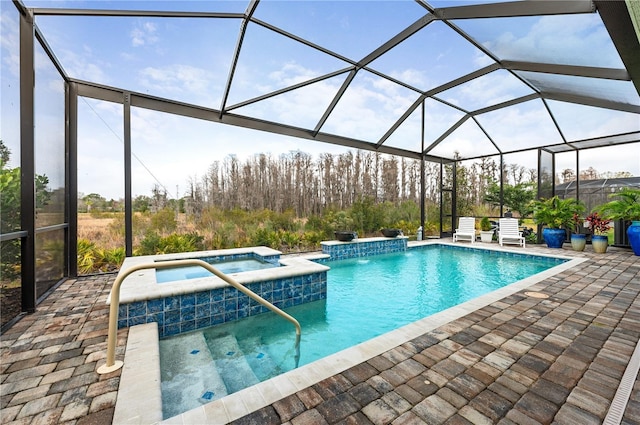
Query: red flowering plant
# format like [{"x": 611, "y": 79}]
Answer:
[
  {"x": 577, "y": 223},
  {"x": 598, "y": 224}
]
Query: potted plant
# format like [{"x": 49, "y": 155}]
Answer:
[
  {"x": 627, "y": 208},
  {"x": 599, "y": 226},
  {"x": 486, "y": 230},
  {"x": 578, "y": 239},
  {"x": 557, "y": 216}
]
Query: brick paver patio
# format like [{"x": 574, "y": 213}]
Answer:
[{"x": 521, "y": 360}]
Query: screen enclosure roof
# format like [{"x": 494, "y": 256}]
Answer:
[{"x": 434, "y": 79}]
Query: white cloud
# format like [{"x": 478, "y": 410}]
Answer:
[
  {"x": 576, "y": 40},
  {"x": 490, "y": 89},
  {"x": 10, "y": 44},
  {"x": 177, "y": 78},
  {"x": 369, "y": 107},
  {"x": 144, "y": 34},
  {"x": 410, "y": 76},
  {"x": 584, "y": 122},
  {"x": 481, "y": 60},
  {"x": 613, "y": 159},
  {"x": 85, "y": 67},
  {"x": 292, "y": 73}
]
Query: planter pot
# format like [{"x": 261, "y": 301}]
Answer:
[
  {"x": 578, "y": 241},
  {"x": 391, "y": 233},
  {"x": 633, "y": 233},
  {"x": 554, "y": 237},
  {"x": 486, "y": 236},
  {"x": 599, "y": 243},
  {"x": 343, "y": 236}
]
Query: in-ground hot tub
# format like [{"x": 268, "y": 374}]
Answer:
[{"x": 197, "y": 302}]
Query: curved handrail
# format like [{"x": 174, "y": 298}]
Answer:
[{"x": 113, "y": 365}]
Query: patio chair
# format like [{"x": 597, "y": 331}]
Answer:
[
  {"x": 466, "y": 230},
  {"x": 509, "y": 232}
]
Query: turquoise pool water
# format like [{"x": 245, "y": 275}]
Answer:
[
  {"x": 226, "y": 266},
  {"x": 366, "y": 297}
]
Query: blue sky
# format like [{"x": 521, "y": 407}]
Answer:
[{"x": 189, "y": 59}]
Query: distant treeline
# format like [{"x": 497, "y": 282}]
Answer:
[{"x": 309, "y": 186}]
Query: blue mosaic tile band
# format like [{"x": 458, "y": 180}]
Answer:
[
  {"x": 187, "y": 312},
  {"x": 550, "y": 260},
  {"x": 363, "y": 248}
]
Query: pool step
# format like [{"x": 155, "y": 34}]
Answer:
[
  {"x": 189, "y": 375},
  {"x": 232, "y": 363},
  {"x": 260, "y": 361}
]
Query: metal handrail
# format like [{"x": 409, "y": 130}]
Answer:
[{"x": 113, "y": 364}]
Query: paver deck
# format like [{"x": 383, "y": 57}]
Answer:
[{"x": 520, "y": 360}]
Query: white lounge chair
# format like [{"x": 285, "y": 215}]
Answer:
[
  {"x": 466, "y": 230},
  {"x": 509, "y": 232}
]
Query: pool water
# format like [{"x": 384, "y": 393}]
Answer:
[
  {"x": 366, "y": 297},
  {"x": 226, "y": 266}
]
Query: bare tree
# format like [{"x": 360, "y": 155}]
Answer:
[{"x": 390, "y": 184}]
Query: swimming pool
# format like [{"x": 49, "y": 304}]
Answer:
[{"x": 366, "y": 297}]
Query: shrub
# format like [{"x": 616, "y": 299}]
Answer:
[
  {"x": 150, "y": 245},
  {"x": 407, "y": 227},
  {"x": 266, "y": 237},
  {"x": 367, "y": 216},
  {"x": 164, "y": 221},
  {"x": 114, "y": 257},
  {"x": 140, "y": 223},
  {"x": 312, "y": 239},
  {"x": 285, "y": 220},
  {"x": 218, "y": 241},
  {"x": 86, "y": 256},
  {"x": 340, "y": 220},
  {"x": 314, "y": 222},
  {"x": 92, "y": 259},
  {"x": 154, "y": 244},
  {"x": 290, "y": 240}
]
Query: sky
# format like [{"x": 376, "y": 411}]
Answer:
[{"x": 189, "y": 60}]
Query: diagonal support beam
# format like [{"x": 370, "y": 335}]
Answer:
[
  {"x": 577, "y": 71},
  {"x": 516, "y": 8},
  {"x": 617, "y": 19},
  {"x": 446, "y": 133},
  {"x": 399, "y": 38},
  {"x": 591, "y": 101},
  {"x": 335, "y": 100}
]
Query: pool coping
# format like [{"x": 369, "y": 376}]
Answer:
[{"x": 248, "y": 400}]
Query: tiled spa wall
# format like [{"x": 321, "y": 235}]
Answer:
[
  {"x": 187, "y": 312},
  {"x": 363, "y": 247}
]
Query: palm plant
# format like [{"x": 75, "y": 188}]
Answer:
[
  {"x": 626, "y": 207},
  {"x": 556, "y": 213}
]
